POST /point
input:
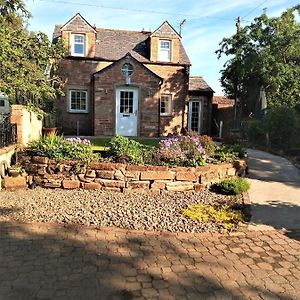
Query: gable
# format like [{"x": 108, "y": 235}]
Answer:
[
  {"x": 165, "y": 30},
  {"x": 128, "y": 58},
  {"x": 78, "y": 24}
]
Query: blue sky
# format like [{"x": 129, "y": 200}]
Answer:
[{"x": 207, "y": 22}]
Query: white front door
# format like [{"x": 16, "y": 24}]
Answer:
[
  {"x": 195, "y": 115},
  {"x": 126, "y": 111}
]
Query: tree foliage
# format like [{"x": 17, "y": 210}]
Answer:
[
  {"x": 26, "y": 58},
  {"x": 265, "y": 53}
]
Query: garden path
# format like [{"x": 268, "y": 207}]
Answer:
[{"x": 274, "y": 192}]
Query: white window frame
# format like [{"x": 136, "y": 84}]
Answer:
[
  {"x": 73, "y": 44},
  {"x": 169, "y": 108},
  {"x": 200, "y": 101},
  {"x": 160, "y": 50},
  {"x": 70, "y": 109}
]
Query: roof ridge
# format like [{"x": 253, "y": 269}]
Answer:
[{"x": 123, "y": 30}]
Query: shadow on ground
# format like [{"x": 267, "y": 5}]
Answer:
[
  {"x": 45, "y": 261},
  {"x": 268, "y": 167},
  {"x": 278, "y": 215}
]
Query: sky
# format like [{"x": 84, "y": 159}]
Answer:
[{"x": 207, "y": 22}]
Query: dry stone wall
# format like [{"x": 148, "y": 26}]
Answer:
[{"x": 127, "y": 178}]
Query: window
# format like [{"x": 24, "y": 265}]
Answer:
[
  {"x": 2, "y": 102},
  {"x": 165, "y": 105},
  {"x": 78, "y": 101},
  {"x": 195, "y": 109},
  {"x": 78, "y": 47},
  {"x": 164, "y": 50},
  {"x": 126, "y": 102},
  {"x": 127, "y": 70}
]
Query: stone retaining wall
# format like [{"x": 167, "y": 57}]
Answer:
[{"x": 127, "y": 178}]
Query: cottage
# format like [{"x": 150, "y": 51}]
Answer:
[{"x": 133, "y": 83}]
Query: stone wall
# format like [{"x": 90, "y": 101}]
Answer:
[{"x": 127, "y": 178}]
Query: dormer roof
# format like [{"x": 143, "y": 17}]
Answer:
[
  {"x": 80, "y": 22},
  {"x": 165, "y": 30}
]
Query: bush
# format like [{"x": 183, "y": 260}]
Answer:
[
  {"x": 206, "y": 141},
  {"x": 125, "y": 150},
  {"x": 233, "y": 186},
  {"x": 281, "y": 122},
  {"x": 227, "y": 153},
  {"x": 58, "y": 148},
  {"x": 182, "y": 151},
  {"x": 224, "y": 215},
  {"x": 256, "y": 132}
]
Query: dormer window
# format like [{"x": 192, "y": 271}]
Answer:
[
  {"x": 165, "y": 50},
  {"x": 78, "y": 45}
]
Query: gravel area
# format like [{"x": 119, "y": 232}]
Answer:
[{"x": 99, "y": 208}]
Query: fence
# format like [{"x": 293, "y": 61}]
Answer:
[{"x": 8, "y": 131}]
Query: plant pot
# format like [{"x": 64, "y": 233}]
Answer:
[
  {"x": 14, "y": 171},
  {"x": 49, "y": 131}
]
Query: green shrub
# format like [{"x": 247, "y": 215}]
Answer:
[
  {"x": 223, "y": 154},
  {"x": 233, "y": 186},
  {"x": 281, "y": 122},
  {"x": 236, "y": 149},
  {"x": 58, "y": 148},
  {"x": 256, "y": 132},
  {"x": 125, "y": 150},
  {"x": 223, "y": 215}
]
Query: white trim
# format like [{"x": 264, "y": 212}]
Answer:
[
  {"x": 73, "y": 44},
  {"x": 84, "y": 111},
  {"x": 163, "y": 49},
  {"x": 200, "y": 101},
  {"x": 133, "y": 131}
]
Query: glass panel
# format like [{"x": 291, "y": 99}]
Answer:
[
  {"x": 2, "y": 103},
  {"x": 195, "y": 106},
  {"x": 127, "y": 69},
  {"x": 126, "y": 102},
  {"x": 79, "y": 48},
  {"x": 78, "y": 39},
  {"x": 165, "y": 104},
  {"x": 165, "y": 44},
  {"x": 78, "y": 100}
]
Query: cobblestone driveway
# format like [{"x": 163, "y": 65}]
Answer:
[{"x": 45, "y": 261}]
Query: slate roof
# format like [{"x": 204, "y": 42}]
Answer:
[
  {"x": 113, "y": 44},
  {"x": 197, "y": 83}
]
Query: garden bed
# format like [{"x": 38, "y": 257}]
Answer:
[{"x": 101, "y": 208}]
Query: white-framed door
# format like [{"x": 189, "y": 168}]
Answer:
[
  {"x": 195, "y": 115},
  {"x": 127, "y": 111}
]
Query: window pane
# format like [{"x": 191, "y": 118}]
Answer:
[
  {"x": 79, "y": 39},
  {"x": 195, "y": 106},
  {"x": 165, "y": 44},
  {"x": 79, "y": 48},
  {"x": 126, "y": 102},
  {"x": 165, "y": 104},
  {"x": 78, "y": 100}
]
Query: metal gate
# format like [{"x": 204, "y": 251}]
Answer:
[{"x": 8, "y": 131}]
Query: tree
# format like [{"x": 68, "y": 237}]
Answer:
[
  {"x": 26, "y": 58},
  {"x": 264, "y": 54}
]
